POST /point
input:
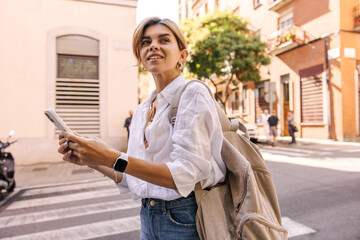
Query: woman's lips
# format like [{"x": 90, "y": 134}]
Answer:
[{"x": 155, "y": 57}]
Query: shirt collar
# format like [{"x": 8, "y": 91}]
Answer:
[{"x": 170, "y": 90}]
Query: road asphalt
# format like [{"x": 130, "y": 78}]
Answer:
[{"x": 52, "y": 173}]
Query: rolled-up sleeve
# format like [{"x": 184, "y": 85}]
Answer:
[
  {"x": 197, "y": 139},
  {"x": 123, "y": 186}
]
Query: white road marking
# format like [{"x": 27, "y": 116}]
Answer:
[
  {"x": 295, "y": 228},
  {"x": 77, "y": 186},
  {"x": 296, "y": 152},
  {"x": 288, "y": 153},
  {"x": 87, "y": 231},
  {"x": 93, "y": 230},
  {"x": 348, "y": 165},
  {"x": 62, "y": 198},
  {"x": 44, "y": 216}
]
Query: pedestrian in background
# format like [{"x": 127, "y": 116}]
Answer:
[
  {"x": 128, "y": 123},
  {"x": 263, "y": 119},
  {"x": 291, "y": 126},
  {"x": 163, "y": 162},
  {"x": 273, "y": 121}
]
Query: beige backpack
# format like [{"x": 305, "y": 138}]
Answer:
[{"x": 245, "y": 205}]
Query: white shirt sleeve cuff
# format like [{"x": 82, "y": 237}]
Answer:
[
  {"x": 123, "y": 186},
  {"x": 184, "y": 188}
]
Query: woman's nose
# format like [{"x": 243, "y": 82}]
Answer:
[{"x": 154, "y": 47}]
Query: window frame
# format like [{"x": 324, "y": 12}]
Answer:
[
  {"x": 257, "y": 3},
  {"x": 77, "y": 98},
  {"x": 284, "y": 18}
]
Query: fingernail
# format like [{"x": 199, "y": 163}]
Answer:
[
  {"x": 70, "y": 151},
  {"x": 67, "y": 139},
  {"x": 65, "y": 144}
]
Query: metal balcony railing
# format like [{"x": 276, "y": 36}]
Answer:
[
  {"x": 286, "y": 39},
  {"x": 357, "y": 18}
]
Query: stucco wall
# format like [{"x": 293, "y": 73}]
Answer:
[
  {"x": 349, "y": 89},
  {"x": 28, "y": 69}
]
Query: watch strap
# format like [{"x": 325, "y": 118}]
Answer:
[{"x": 121, "y": 163}]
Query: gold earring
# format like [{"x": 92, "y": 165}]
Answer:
[
  {"x": 180, "y": 65},
  {"x": 143, "y": 69}
]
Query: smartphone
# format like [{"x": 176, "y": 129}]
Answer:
[{"x": 56, "y": 119}]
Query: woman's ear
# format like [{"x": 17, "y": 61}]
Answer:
[{"x": 184, "y": 54}]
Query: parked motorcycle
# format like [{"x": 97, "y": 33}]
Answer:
[{"x": 7, "y": 167}]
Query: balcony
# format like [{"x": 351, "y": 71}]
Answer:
[
  {"x": 286, "y": 39},
  {"x": 357, "y": 18},
  {"x": 275, "y": 5}
]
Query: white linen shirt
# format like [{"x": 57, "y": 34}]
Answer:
[{"x": 191, "y": 149}]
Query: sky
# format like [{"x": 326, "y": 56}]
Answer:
[{"x": 159, "y": 8}]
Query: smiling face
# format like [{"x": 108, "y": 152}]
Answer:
[{"x": 159, "y": 51}]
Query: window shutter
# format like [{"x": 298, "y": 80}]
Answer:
[
  {"x": 311, "y": 94},
  {"x": 77, "y": 98}
]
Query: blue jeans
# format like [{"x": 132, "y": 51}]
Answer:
[{"x": 168, "y": 220}]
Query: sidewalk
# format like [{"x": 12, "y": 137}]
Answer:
[{"x": 48, "y": 173}]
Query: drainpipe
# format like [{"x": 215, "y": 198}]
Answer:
[{"x": 327, "y": 79}]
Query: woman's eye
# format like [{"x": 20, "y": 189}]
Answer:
[
  {"x": 145, "y": 43},
  {"x": 165, "y": 40}
]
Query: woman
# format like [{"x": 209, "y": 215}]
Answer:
[{"x": 163, "y": 162}]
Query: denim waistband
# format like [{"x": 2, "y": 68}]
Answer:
[{"x": 163, "y": 204}]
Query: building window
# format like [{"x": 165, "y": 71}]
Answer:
[
  {"x": 80, "y": 67},
  {"x": 77, "y": 97},
  {"x": 311, "y": 95},
  {"x": 286, "y": 21},
  {"x": 257, "y": 3}
]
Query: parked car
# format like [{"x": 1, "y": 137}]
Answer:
[{"x": 252, "y": 129}]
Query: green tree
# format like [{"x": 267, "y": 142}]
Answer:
[{"x": 222, "y": 46}]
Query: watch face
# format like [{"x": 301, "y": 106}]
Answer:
[{"x": 120, "y": 165}]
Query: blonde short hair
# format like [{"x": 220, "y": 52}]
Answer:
[{"x": 141, "y": 28}]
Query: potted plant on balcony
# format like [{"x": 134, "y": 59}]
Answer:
[{"x": 287, "y": 36}]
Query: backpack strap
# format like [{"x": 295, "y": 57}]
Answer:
[{"x": 226, "y": 125}]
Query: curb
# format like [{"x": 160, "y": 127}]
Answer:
[{"x": 315, "y": 141}]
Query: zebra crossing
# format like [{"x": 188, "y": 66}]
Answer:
[
  {"x": 77, "y": 210},
  {"x": 324, "y": 157},
  {"x": 91, "y": 209}
]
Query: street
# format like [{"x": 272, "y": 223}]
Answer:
[
  {"x": 313, "y": 193},
  {"x": 317, "y": 185}
]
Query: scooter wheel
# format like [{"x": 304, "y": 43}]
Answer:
[{"x": 12, "y": 187}]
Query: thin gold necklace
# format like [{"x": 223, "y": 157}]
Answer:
[
  {"x": 151, "y": 113},
  {"x": 150, "y": 117}
]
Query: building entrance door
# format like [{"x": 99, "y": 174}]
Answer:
[{"x": 285, "y": 95}]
